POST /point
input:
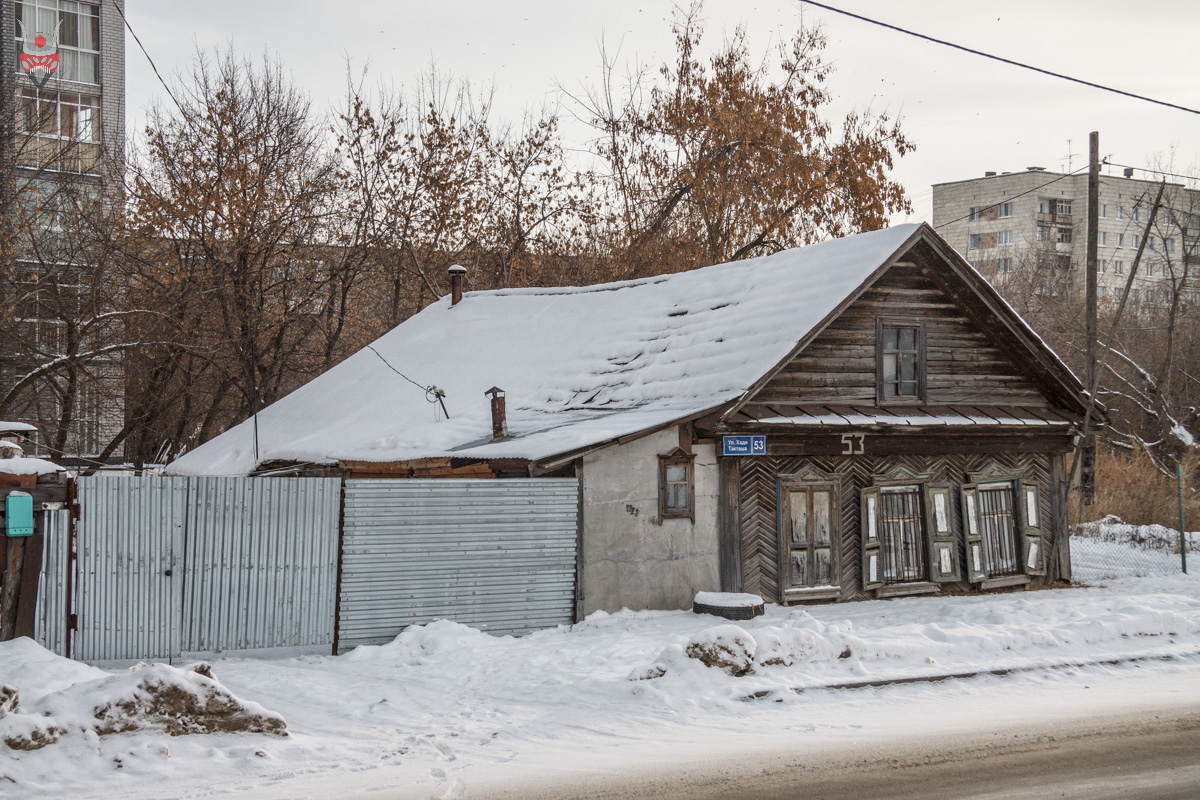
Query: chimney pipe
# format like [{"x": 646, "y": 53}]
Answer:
[
  {"x": 456, "y": 278},
  {"x": 499, "y": 417}
]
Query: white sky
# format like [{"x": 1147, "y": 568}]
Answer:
[{"x": 966, "y": 114}]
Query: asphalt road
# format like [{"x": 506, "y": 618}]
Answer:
[{"x": 1153, "y": 755}]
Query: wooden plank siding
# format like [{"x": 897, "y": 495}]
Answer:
[
  {"x": 963, "y": 365},
  {"x": 758, "y": 533}
]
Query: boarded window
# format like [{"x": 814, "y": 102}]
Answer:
[{"x": 808, "y": 535}]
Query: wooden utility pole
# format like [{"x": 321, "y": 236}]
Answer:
[{"x": 1088, "y": 453}]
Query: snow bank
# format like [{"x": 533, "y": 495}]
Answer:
[
  {"x": 444, "y": 708},
  {"x": 1112, "y": 548},
  {"x": 29, "y": 466},
  {"x": 147, "y": 697}
]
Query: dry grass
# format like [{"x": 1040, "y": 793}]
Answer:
[{"x": 1132, "y": 488}]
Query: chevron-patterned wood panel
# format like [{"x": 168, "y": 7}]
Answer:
[{"x": 758, "y": 520}]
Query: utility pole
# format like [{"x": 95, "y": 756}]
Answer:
[{"x": 1088, "y": 453}]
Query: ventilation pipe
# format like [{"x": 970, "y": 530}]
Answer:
[
  {"x": 457, "y": 271},
  {"x": 499, "y": 416}
]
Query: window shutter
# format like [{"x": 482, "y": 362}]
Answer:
[
  {"x": 1030, "y": 516},
  {"x": 872, "y": 558},
  {"x": 943, "y": 561},
  {"x": 972, "y": 530}
]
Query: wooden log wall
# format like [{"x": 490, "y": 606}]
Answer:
[
  {"x": 962, "y": 364},
  {"x": 755, "y": 506}
]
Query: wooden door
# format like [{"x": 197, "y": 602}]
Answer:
[{"x": 809, "y": 519}]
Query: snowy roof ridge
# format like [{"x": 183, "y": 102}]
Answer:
[{"x": 580, "y": 365}]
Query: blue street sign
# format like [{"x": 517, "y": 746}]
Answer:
[{"x": 743, "y": 445}]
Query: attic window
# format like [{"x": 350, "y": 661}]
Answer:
[
  {"x": 900, "y": 360},
  {"x": 676, "y": 485}
]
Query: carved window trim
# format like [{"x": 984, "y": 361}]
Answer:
[{"x": 677, "y": 458}]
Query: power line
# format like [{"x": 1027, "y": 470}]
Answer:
[
  {"x": 1015, "y": 196},
  {"x": 153, "y": 66},
  {"x": 1001, "y": 59},
  {"x": 432, "y": 393},
  {"x": 1155, "y": 171}
]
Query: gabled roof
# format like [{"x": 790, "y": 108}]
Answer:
[{"x": 579, "y": 365}]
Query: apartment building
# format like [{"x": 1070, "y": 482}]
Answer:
[
  {"x": 1038, "y": 219},
  {"x": 63, "y": 155}
]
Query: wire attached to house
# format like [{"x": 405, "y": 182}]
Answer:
[
  {"x": 433, "y": 394},
  {"x": 1001, "y": 59}
]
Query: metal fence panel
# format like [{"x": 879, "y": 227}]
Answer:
[
  {"x": 129, "y": 590},
  {"x": 261, "y": 562},
  {"x": 498, "y": 555},
  {"x": 50, "y": 619}
]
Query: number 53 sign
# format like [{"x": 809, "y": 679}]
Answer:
[{"x": 852, "y": 444}]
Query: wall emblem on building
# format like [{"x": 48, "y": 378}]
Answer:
[{"x": 39, "y": 55}]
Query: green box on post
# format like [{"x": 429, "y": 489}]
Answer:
[{"x": 18, "y": 514}]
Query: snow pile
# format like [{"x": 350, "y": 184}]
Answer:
[
  {"x": 147, "y": 697},
  {"x": 28, "y": 466},
  {"x": 725, "y": 647},
  {"x": 1112, "y": 548}
]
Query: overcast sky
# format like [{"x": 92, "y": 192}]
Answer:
[{"x": 965, "y": 113}]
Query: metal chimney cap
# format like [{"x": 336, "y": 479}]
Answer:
[
  {"x": 457, "y": 269},
  {"x": 495, "y": 391}
]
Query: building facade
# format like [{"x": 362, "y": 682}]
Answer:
[
  {"x": 1038, "y": 219},
  {"x": 63, "y": 155}
]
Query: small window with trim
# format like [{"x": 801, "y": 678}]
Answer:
[
  {"x": 900, "y": 356},
  {"x": 676, "y": 485}
]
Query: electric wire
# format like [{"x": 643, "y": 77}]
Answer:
[
  {"x": 1001, "y": 59},
  {"x": 153, "y": 66},
  {"x": 1014, "y": 197},
  {"x": 433, "y": 394}
]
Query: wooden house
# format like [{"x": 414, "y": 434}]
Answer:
[{"x": 861, "y": 417}]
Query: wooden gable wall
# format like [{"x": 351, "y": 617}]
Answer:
[{"x": 963, "y": 366}]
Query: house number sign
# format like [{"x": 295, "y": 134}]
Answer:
[{"x": 853, "y": 444}]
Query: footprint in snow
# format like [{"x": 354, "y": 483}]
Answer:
[
  {"x": 457, "y": 789},
  {"x": 438, "y": 775}
]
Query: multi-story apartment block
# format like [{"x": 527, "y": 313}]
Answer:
[
  {"x": 64, "y": 139},
  {"x": 1036, "y": 219}
]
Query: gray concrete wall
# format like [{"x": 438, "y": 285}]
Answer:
[{"x": 631, "y": 558}]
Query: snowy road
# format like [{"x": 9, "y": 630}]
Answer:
[{"x": 1149, "y": 755}]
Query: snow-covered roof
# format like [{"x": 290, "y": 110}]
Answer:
[
  {"x": 28, "y": 466},
  {"x": 15, "y": 427},
  {"x": 579, "y": 365}
]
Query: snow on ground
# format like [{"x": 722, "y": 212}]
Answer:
[
  {"x": 1112, "y": 548},
  {"x": 446, "y": 711}
]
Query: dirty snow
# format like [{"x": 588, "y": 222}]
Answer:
[
  {"x": 579, "y": 365},
  {"x": 446, "y": 711}
]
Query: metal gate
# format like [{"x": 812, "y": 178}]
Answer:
[
  {"x": 498, "y": 555},
  {"x": 172, "y": 565}
]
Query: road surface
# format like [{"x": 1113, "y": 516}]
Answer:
[{"x": 1149, "y": 755}]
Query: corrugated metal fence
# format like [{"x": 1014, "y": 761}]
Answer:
[
  {"x": 166, "y": 566},
  {"x": 171, "y": 565},
  {"x": 50, "y": 621},
  {"x": 496, "y": 555}
]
